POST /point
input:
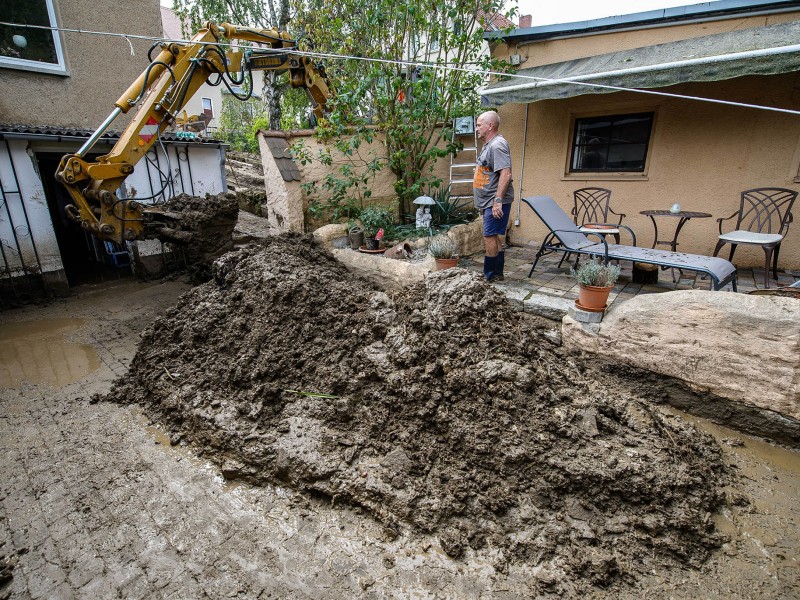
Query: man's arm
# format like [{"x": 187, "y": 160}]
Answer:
[{"x": 502, "y": 186}]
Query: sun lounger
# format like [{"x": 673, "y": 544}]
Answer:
[{"x": 565, "y": 236}]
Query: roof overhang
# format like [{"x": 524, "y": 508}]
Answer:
[
  {"x": 765, "y": 50},
  {"x": 74, "y": 134}
]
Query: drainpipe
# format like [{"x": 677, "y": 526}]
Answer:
[
  {"x": 222, "y": 159},
  {"x": 522, "y": 166}
]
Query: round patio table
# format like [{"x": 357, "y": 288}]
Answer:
[{"x": 684, "y": 216}]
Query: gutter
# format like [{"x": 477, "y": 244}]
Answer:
[
  {"x": 666, "y": 17},
  {"x": 708, "y": 60},
  {"x": 47, "y": 137}
]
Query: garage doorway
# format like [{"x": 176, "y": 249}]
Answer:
[{"x": 86, "y": 259}]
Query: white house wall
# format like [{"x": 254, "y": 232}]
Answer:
[
  {"x": 196, "y": 170},
  {"x": 26, "y": 230}
]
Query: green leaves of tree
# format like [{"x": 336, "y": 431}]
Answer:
[{"x": 412, "y": 106}]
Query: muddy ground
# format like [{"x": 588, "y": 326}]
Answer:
[
  {"x": 94, "y": 503},
  {"x": 438, "y": 410}
]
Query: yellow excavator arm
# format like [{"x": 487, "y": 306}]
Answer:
[{"x": 161, "y": 92}]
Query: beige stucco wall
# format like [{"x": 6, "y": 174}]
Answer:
[
  {"x": 99, "y": 67},
  {"x": 702, "y": 155},
  {"x": 381, "y": 187},
  {"x": 284, "y": 204}
]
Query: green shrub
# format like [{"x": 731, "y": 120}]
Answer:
[{"x": 374, "y": 218}]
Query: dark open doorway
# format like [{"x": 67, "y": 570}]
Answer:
[{"x": 86, "y": 259}]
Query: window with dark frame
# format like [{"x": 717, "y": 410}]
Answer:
[
  {"x": 29, "y": 47},
  {"x": 611, "y": 143}
]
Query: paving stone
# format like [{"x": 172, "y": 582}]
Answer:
[
  {"x": 100, "y": 587},
  {"x": 90, "y": 567}
]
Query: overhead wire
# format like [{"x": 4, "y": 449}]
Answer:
[
  {"x": 422, "y": 64},
  {"x": 228, "y": 78}
]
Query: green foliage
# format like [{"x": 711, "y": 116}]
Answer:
[
  {"x": 252, "y": 13},
  {"x": 408, "y": 232},
  {"x": 449, "y": 211},
  {"x": 295, "y": 109},
  {"x": 594, "y": 272},
  {"x": 442, "y": 246},
  {"x": 235, "y": 125},
  {"x": 375, "y": 217},
  {"x": 344, "y": 190},
  {"x": 408, "y": 104}
]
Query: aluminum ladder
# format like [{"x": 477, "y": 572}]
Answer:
[{"x": 463, "y": 163}]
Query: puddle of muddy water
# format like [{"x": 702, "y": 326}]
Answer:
[
  {"x": 39, "y": 352},
  {"x": 765, "y": 527}
]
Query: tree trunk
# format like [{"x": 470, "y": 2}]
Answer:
[{"x": 271, "y": 99}]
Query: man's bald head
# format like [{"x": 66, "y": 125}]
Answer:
[
  {"x": 490, "y": 117},
  {"x": 487, "y": 125}
]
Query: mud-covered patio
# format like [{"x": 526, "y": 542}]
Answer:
[{"x": 388, "y": 461}]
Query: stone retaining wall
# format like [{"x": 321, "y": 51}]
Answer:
[{"x": 742, "y": 348}]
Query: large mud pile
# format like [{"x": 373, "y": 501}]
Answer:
[
  {"x": 439, "y": 410},
  {"x": 200, "y": 227}
]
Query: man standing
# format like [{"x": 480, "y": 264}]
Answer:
[{"x": 493, "y": 192}]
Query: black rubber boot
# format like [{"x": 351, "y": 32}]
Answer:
[
  {"x": 489, "y": 266},
  {"x": 499, "y": 266}
]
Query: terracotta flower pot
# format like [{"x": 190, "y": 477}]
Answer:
[
  {"x": 593, "y": 298},
  {"x": 446, "y": 263},
  {"x": 372, "y": 243}
]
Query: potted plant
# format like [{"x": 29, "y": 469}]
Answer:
[
  {"x": 595, "y": 281},
  {"x": 373, "y": 219},
  {"x": 444, "y": 250}
]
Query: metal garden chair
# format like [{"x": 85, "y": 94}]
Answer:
[
  {"x": 762, "y": 220},
  {"x": 590, "y": 213}
]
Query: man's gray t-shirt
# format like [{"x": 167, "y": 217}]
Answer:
[{"x": 495, "y": 156}]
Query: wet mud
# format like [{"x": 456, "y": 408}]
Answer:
[
  {"x": 201, "y": 227},
  {"x": 438, "y": 409},
  {"x": 38, "y": 352}
]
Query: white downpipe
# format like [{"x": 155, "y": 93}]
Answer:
[
  {"x": 522, "y": 166},
  {"x": 709, "y": 60}
]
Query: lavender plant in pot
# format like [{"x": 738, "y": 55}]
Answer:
[
  {"x": 595, "y": 282},
  {"x": 444, "y": 251}
]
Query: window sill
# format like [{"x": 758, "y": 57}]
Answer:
[
  {"x": 605, "y": 177},
  {"x": 32, "y": 67}
]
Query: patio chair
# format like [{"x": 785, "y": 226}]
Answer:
[
  {"x": 762, "y": 220},
  {"x": 592, "y": 207},
  {"x": 566, "y": 236},
  {"x": 590, "y": 213}
]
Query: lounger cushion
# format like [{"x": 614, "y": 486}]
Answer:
[{"x": 604, "y": 230}]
